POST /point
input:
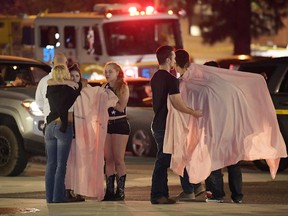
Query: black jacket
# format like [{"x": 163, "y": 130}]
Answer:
[{"x": 61, "y": 98}]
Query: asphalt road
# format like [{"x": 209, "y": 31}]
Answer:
[
  {"x": 261, "y": 193},
  {"x": 258, "y": 187}
]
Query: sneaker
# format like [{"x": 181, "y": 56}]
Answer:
[
  {"x": 163, "y": 200},
  {"x": 185, "y": 197},
  {"x": 236, "y": 201},
  {"x": 199, "y": 190},
  {"x": 208, "y": 194},
  {"x": 212, "y": 199}
]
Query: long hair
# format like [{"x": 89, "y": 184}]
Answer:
[
  {"x": 120, "y": 84},
  {"x": 60, "y": 73}
]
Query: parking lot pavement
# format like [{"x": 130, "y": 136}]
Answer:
[
  {"x": 38, "y": 207},
  {"x": 262, "y": 196}
]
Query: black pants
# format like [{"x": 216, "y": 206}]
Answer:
[
  {"x": 160, "y": 178},
  {"x": 215, "y": 184}
]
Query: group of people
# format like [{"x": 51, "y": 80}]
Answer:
[
  {"x": 165, "y": 86},
  {"x": 165, "y": 89},
  {"x": 58, "y": 91},
  {"x": 56, "y": 95}
]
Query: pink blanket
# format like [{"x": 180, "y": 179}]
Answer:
[
  {"x": 86, "y": 159},
  {"x": 239, "y": 123}
]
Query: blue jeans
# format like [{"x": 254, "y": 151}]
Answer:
[
  {"x": 159, "y": 186},
  {"x": 187, "y": 187},
  {"x": 215, "y": 184},
  {"x": 58, "y": 146}
]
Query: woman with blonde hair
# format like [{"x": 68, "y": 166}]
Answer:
[
  {"x": 117, "y": 133},
  {"x": 58, "y": 133}
]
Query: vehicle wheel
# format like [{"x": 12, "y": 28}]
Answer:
[
  {"x": 141, "y": 143},
  {"x": 13, "y": 159},
  {"x": 262, "y": 165}
]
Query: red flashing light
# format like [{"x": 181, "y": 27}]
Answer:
[
  {"x": 132, "y": 10},
  {"x": 108, "y": 15},
  {"x": 149, "y": 10},
  {"x": 170, "y": 12}
]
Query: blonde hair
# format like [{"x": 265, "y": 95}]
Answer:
[
  {"x": 60, "y": 73},
  {"x": 120, "y": 84}
]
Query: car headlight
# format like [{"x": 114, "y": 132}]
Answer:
[{"x": 32, "y": 108}]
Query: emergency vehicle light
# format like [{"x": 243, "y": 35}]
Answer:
[
  {"x": 150, "y": 10},
  {"x": 131, "y": 9}
]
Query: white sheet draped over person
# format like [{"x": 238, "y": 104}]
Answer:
[
  {"x": 85, "y": 174},
  {"x": 239, "y": 123}
]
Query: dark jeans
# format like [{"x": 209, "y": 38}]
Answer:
[
  {"x": 215, "y": 184},
  {"x": 160, "y": 178},
  {"x": 187, "y": 187}
]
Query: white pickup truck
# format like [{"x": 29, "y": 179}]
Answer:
[{"x": 21, "y": 121}]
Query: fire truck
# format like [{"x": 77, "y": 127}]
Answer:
[
  {"x": 126, "y": 34},
  {"x": 17, "y": 35}
]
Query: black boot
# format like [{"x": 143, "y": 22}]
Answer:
[
  {"x": 120, "y": 192},
  {"x": 110, "y": 194}
]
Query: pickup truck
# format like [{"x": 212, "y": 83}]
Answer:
[
  {"x": 275, "y": 71},
  {"x": 21, "y": 121}
]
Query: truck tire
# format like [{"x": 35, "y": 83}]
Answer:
[
  {"x": 13, "y": 159},
  {"x": 262, "y": 165}
]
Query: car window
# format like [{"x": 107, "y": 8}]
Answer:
[
  {"x": 265, "y": 70},
  {"x": 140, "y": 93},
  {"x": 31, "y": 74},
  {"x": 38, "y": 74},
  {"x": 284, "y": 85},
  {"x": 2, "y": 82}
]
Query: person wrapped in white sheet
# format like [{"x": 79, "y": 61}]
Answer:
[{"x": 239, "y": 123}]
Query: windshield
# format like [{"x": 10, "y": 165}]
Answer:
[
  {"x": 140, "y": 94},
  {"x": 18, "y": 74},
  {"x": 140, "y": 37}
]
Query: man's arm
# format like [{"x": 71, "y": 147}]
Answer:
[
  {"x": 39, "y": 97},
  {"x": 179, "y": 104},
  {"x": 69, "y": 83}
]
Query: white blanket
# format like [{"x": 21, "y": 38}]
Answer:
[{"x": 239, "y": 123}]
